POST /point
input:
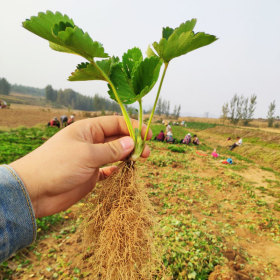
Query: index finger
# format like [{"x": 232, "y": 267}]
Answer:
[{"x": 101, "y": 128}]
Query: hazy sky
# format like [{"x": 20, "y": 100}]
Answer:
[{"x": 245, "y": 60}]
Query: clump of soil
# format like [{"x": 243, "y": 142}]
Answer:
[{"x": 234, "y": 269}]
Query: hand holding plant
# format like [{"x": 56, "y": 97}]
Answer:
[
  {"x": 119, "y": 217},
  {"x": 67, "y": 166}
]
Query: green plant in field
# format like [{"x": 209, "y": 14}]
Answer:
[
  {"x": 18, "y": 142},
  {"x": 200, "y": 125},
  {"x": 178, "y": 131},
  {"x": 161, "y": 161},
  {"x": 238, "y": 156},
  {"x": 128, "y": 79},
  {"x": 189, "y": 251},
  {"x": 45, "y": 223},
  {"x": 176, "y": 149},
  {"x": 276, "y": 207}
]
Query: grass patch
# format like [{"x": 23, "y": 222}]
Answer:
[
  {"x": 190, "y": 252},
  {"x": 200, "y": 125},
  {"x": 260, "y": 142},
  {"x": 19, "y": 142},
  {"x": 270, "y": 170},
  {"x": 179, "y": 132},
  {"x": 176, "y": 149},
  {"x": 161, "y": 161},
  {"x": 239, "y": 157}
]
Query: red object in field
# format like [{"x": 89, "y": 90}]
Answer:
[
  {"x": 201, "y": 154},
  {"x": 3, "y": 104}
]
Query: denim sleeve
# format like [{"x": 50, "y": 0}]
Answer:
[{"x": 17, "y": 219}]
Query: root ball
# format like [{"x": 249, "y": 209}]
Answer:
[{"x": 118, "y": 228}]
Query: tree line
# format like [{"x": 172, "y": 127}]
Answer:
[
  {"x": 75, "y": 100},
  {"x": 28, "y": 90},
  {"x": 66, "y": 97},
  {"x": 163, "y": 108},
  {"x": 5, "y": 87},
  {"x": 240, "y": 109}
]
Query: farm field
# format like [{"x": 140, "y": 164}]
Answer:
[
  {"x": 29, "y": 115},
  {"x": 215, "y": 221}
]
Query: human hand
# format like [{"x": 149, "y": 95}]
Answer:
[{"x": 67, "y": 166}]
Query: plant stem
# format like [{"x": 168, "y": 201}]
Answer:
[
  {"x": 124, "y": 112},
  {"x": 155, "y": 104},
  {"x": 140, "y": 143},
  {"x": 140, "y": 116}
]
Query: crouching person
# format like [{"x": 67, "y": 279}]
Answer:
[
  {"x": 63, "y": 120},
  {"x": 160, "y": 136},
  {"x": 169, "y": 138},
  {"x": 54, "y": 122},
  {"x": 71, "y": 120},
  {"x": 195, "y": 140}
]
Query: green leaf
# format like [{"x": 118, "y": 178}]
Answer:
[
  {"x": 64, "y": 35},
  {"x": 131, "y": 59},
  {"x": 132, "y": 89},
  {"x": 59, "y": 48},
  {"x": 146, "y": 75},
  {"x": 75, "y": 39},
  {"x": 181, "y": 40},
  {"x": 42, "y": 24},
  {"x": 150, "y": 52},
  {"x": 88, "y": 71},
  {"x": 166, "y": 32},
  {"x": 122, "y": 84}
]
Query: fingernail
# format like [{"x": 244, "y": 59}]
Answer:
[{"x": 127, "y": 143}]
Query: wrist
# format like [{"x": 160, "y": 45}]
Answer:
[{"x": 27, "y": 177}]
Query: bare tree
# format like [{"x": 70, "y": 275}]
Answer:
[
  {"x": 249, "y": 111},
  {"x": 225, "y": 111},
  {"x": 233, "y": 109},
  {"x": 159, "y": 107},
  {"x": 178, "y": 112},
  {"x": 167, "y": 109},
  {"x": 174, "y": 111},
  {"x": 245, "y": 109},
  {"x": 240, "y": 108},
  {"x": 271, "y": 113},
  {"x": 163, "y": 107}
]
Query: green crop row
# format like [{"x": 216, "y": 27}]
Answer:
[{"x": 18, "y": 142}]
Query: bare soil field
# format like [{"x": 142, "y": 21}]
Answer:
[{"x": 28, "y": 115}]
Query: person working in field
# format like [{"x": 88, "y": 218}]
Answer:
[
  {"x": 195, "y": 140},
  {"x": 168, "y": 129},
  {"x": 160, "y": 137},
  {"x": 63, "y": 120},
  {"x": 54, "y": 123},
  {"x": 187, "y": 140},
  {"x": 169, "y": 135},
  {"x": 48, "y": 180},
  {"x": 3, "y": 104},
  {"x": 71, "y": 120},
  {"x": 236, "y": 144}
]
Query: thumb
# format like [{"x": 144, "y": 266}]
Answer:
[{"x": 112, "y": 151}]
